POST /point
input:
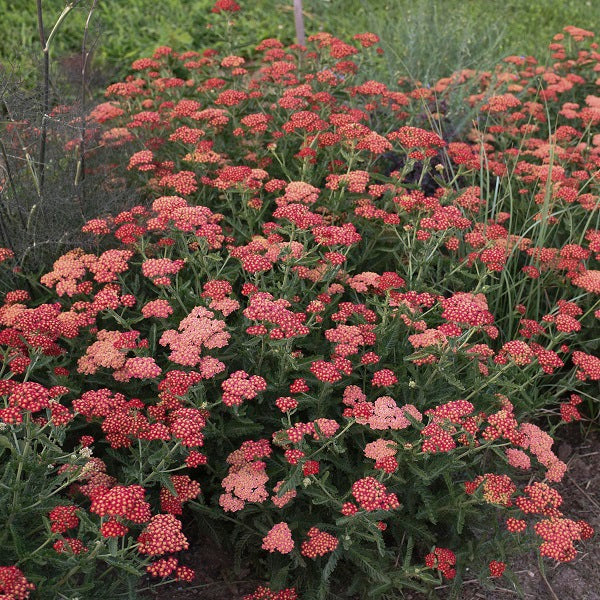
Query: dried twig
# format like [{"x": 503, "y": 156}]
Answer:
[
  {"x": 45, "y": 43},
  {"x": 45, "y": 93},
  {"x": 28, "y": 158},
  {"x": 545, "y": 579},
  {"x": 85, "y": 55},
  {"x": 596, "y": 504}
]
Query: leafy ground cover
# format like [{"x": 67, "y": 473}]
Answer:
[{"x": 336, "y": 334}]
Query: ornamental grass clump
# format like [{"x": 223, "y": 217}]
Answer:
[{"x": 338, "y": 374}]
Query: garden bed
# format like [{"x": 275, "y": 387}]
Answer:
[{"x": 328, "y": 350}]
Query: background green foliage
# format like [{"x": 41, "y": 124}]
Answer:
[{"x": 426, "y": 39}]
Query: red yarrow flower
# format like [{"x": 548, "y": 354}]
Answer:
[
  {"x": 496, "y": 568},
  {"x": 372, "y": 495},
  {"x": 384, "y": 378},
  {"x": 443, "y": 560},
  {"x": 122, "y": 501},
  {"x": 63, "y": 518},
  {"x": 225, "y": 6},
  {"x": 13, "y": 584},
  {"x": 162, "y": 536},
  {"x": 319, "y": 543}
]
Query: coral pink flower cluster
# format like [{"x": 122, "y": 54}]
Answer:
[
  {"x": 197, "y": 331},
  {"x": 279, "y": 539},
  {"x": 246, "y": 479}
]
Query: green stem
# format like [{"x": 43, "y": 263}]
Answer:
[
  {"x": 160, "y": 465},
  {"x": 56, "y": 491},
  {"x": 22, "y": 457},
  {"x": 330, "y": 441}
]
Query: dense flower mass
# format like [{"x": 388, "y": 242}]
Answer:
[
  {"x": 120, "y": 501},
  {"x": 197, "y": 331},
  {"x": 325, "y": 337},
  {"x": 372, "y": 495},
  {"x": 442, "y": 559}
]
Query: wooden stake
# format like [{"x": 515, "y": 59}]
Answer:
[{"x": 299, "y": 19}]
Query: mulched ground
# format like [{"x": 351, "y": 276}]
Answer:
[{"x": 579, "y": 580}]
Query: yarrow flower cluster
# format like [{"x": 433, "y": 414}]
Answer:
[
  {"x": 197, "y": 331},
  {"x": 13, "y": 584},
  {"x": 442, "y": 559},
  {"x": 264, "y": 593},
  {"x": 240, "y": 386},
  {"x": 372, "y": 495},
  {"x": 162, "y": 535},
  {"x": 319, "y": 543},
  {"x": 279, "y": 539}
]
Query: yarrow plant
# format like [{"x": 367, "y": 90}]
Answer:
[{"x": 333, "y": 361}]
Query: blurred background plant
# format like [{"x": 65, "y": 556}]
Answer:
[{"x": 426, "y": 40}]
